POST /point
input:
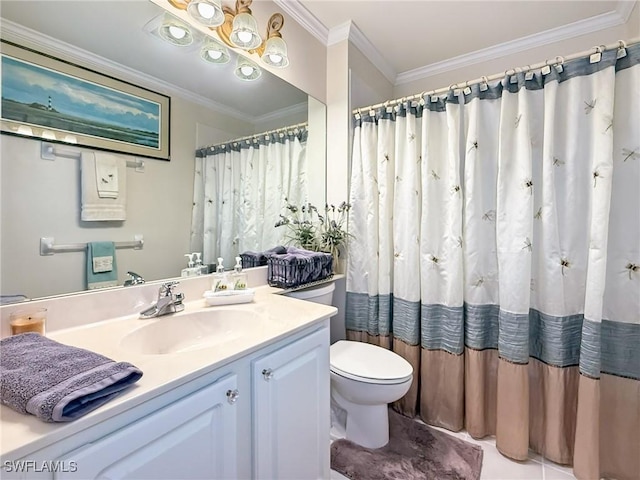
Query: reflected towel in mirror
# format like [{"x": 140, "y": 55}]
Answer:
[
  {"x": 103, "y": 185},
  {"x": 102, "y": 271}
]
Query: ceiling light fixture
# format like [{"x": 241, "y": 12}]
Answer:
[
  {"x": 176, "y": 32},
  {"x": 239, "y": 28},
  {"x": 246, "y": 69},
  {"x": 214, "y": 52},
  {"x": 207, "y": 12}
]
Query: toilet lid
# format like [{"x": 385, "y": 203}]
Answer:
[{"x": 368, "y": 363}]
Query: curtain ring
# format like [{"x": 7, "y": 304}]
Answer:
[
  {"x": 622, "y": 44},
  {"x": 598, "y": 49},
  {"x": 561, "y": 62}
]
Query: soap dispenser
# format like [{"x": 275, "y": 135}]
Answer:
[
  {"x": 190, "y": 270},
  {"x": 220, "y": 278},
  {"x": 200, "y": 268},
  {"x": 238, "y": 278}
]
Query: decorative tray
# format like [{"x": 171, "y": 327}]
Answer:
[{"x": 228, "y": 297}]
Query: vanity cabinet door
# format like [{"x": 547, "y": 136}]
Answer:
[
  {"x": 291, "y": 410},
  {"x": 193, "y": 438}
]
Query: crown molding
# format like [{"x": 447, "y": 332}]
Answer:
[
  {"x": 624, "y": 9},
  {"x": 305, "y": 18},
  {"x": 362, "y": 43},
  {"x": 21, "y": 35},
  {"x": 339, "y": 33},
  {"x": 610, "y": 19},
  {"x": 350, "y": 31}
]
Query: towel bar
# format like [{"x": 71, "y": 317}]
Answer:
[
  {"x": 49, "y": 152},
  {"x": 48, "y": 246}
]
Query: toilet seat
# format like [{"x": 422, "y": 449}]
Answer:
[{"x": 368, "y": 363}]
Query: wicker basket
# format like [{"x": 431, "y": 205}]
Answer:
[
  {"x": 250, "y": 260},
  {"x": 286, "y": 272}
]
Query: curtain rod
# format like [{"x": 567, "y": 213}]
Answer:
[
  {"x": 257, "y": 135},
  {"x": 485, "y": 79}
]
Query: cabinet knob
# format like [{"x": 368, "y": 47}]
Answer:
[
  {"x": 232, "y": 396},
  {"x": 267, "y": 373}
]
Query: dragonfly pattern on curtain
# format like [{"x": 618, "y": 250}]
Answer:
[
  {"x": 240, "y": 189},
  {"x": 496, "y": 244}
]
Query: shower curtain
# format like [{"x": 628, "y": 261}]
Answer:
[
  {"x": 240, "y": 189},
  {"x": 496, "y": 246}
]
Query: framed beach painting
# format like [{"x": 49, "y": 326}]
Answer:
[{"x": 46, "y": 98}]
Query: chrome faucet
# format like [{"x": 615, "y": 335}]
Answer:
[
  {"x": 134, "y": 279},
  {"x": 168, "y": 302}
]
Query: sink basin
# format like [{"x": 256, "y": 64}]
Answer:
[{"x": 192, "y": 331}]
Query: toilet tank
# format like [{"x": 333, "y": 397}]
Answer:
[{"x": 321, "y": 294}]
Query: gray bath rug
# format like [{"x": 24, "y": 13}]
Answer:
[{"x": 414, "y": 452}]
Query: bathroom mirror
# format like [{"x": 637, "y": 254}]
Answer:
[{"x": 209, "y": 105}]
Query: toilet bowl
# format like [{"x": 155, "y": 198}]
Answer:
[{"x": 365, "y": 378}]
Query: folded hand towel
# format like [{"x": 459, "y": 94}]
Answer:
[
  {"x": 56, "y": 382},
  {"x": 106, "y": 176},
  {"x": 102, "y": 271},
  {"x": 94, "y": 207}
]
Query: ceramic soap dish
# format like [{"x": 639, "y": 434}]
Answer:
[{"x": 228, "y": 297}]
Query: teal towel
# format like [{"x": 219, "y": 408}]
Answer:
[{"x": 101, "y": 265}]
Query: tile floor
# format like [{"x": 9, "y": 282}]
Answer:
[{"x": 497, "y": 467}]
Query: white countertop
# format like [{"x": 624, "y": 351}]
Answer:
[{"x": 281, "y": 316}]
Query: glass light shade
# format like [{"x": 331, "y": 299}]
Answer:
[
  {"x": 275, "y": 53},
  {"x": 206, "y": 12},
  {"x": 246, "y": 70},
  {"x": 25, "y": 130},
  {"x": 175, "y": 32},
  {"x": 245, "y": 32},
  {"x": 214, "y": 52}
]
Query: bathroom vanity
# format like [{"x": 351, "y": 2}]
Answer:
[{"x": 254, "y": 405}]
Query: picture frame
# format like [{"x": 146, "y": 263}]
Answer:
[{"x": 46, "y": 98}]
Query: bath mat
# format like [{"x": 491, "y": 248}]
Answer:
[{"x": 414, "y": 452}]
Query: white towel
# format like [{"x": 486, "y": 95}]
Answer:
[
  {"x": 94, "y": 206},
  {"x": 107, "y": 176}
]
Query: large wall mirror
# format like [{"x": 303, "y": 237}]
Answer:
[{"x": 209, "y": 106}]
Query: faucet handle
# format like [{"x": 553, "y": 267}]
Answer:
[
  {"x": 134, "y": 279},
  {"x": 167, "y": 288}
]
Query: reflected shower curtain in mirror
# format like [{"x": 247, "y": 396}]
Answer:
[
  {"x": 497, "y": 248},
  {"x": 240, "y": 189}
]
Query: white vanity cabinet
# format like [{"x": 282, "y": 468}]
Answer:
[
  {"x": 263, "y": 415},
  {"x": 193, "y": 438},
  {"x": 291, "y": 411}
]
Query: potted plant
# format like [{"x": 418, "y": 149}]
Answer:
[
  {"x": 301, "y": 225},
  {"x": 333, "y": 234},
  {"x": 308, "y": 229}
]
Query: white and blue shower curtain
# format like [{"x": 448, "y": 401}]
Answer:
[
  {"x": 496, "y": 246},
  {"x": 240, "y": 189}
]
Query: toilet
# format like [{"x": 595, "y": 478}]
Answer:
[{"x": 365, "y": 378}]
